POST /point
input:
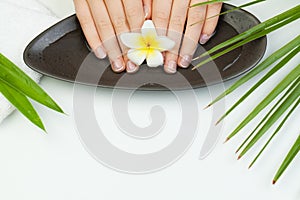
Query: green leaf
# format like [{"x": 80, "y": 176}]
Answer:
[
  {"x": 260, "y": 27},
  {"x": 270, "y": 97},
  {"x": 288, "y": 159},
  {"x": 276, "y": 131},
  {"x": 274, "y": 117},
  {"x": 262, "y": 80},
  {"x": 228, "y": 11},
  {"x": 21, "y": 103},
  {"x": 261, "y": 67},
  {"x": 247, "y": 40},
  {"x": 16, "y": 78},
  {"x": 266, "y": 117}
]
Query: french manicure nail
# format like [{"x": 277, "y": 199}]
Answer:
[
  {"x": 171, "y": 67},
  {"x": 100, "y": 53},
  {"x": 131, "y": 67},
  {"x": 204, "y": 38},
  {"x": 185, "y": 61},
  {"x": 146, "y": 11},
  {"x": 117, "y": 65}
]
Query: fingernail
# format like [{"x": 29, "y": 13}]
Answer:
[
  {"x": 131, "y": 67},
  {"x": 146, "y": 11},
  {"x": 100, "y": 53},
  {"x": 117, "y": 65},
  {"x": 185, "y": 61},
  {"x": 204, "y": 38},
  {"x": 171, "y": 67}
]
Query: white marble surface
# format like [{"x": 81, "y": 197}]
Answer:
[{"x": 56, "y": 166}]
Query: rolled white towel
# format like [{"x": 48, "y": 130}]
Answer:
[{"x": 20, "y": 22}]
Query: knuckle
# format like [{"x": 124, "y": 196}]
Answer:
[
  {"x": 84, "y": 21},
  {"x": 132, "y": 12},
  {"x": 94, "y": 1},
  {"x": 177, "y": 22},
  {"x": 103, "y": 24},
  {"x": 195, "y": 16},
  {"x": 161, "y": 16},
  {"x": 119, "y": 23},
  {"x": 215, "y": 8},
  {"x": 135, "y": 18}
]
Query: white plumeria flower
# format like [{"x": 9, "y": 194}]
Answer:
[{"x": 146, "y": 45}]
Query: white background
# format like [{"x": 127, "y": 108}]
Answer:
[{"x": 35, "y": 165}]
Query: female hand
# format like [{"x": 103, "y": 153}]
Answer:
[
  {"x": 170, "y": 16},
  {"x": 103, "y": 21}
]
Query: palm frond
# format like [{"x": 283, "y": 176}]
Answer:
[
  {"x": 276, "y": 131},
  {"x": 282, "y": 108},
  {"x": 22, "y": 103},
  {"x": 288, "y": 88},
  {"x": 261, "y": 67},
  {"x": 17, "y": 87},
  {"x": 245, "y": 41},
  {"x": 268, "y": 114},
  {"x": 227, "y": 11},
  {"x": 281, "y": 18},
  {"x": 289, "y": 79},
  {"x": 13, "y": 76},
  {"x": 288, "y": 159},
  {"x": 274, "y": 69}
]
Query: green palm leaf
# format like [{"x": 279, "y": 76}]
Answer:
[
  {"x": 294, "y": 95},
  {"x": 294, "y": 74},
  {"x": 275, "y": 69},
  {"x": 276, "y": 131},
  {"x": 256, "y": 29},
  {"x": 21, "y": 103},
  {"x": 288, "y": 102},
  {"x": 261, "y": 67},
  {"x": 247, "y": 40},
  {"x": 266, "y": 117},
  {"x": 17, "y": 87},
  {"x": 13, "y": 76},
  {"x": 225, "y": 12},
  {"x": 288, "y": 159}
]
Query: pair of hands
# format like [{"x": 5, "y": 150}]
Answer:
[{"x": 103, "y": 21}]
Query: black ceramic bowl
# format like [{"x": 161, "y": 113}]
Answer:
[{"x": 59, "y": 52}]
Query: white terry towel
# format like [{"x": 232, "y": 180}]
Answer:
[{"x": 20, "y": 22}]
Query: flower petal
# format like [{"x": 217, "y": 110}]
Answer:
[
  {"x": 137, "y": 56},
  {"x": 148, "y": 30},
  {"x": 164, "y": 43},
  {"x": 155, "y": 58},
  {"x": 133, "y": 40}
]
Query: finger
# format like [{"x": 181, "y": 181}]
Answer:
[
  {"x": 118, "y": 19},
  {"x": 161, "y": 11},
  {"x": 135, "y": 14},
  {"x": 147, "y": 8},
  {"x": 193, "y": 30},
  {"x": 106, "y": 31},
  {"x": 89, "y": 29},
  {"x": 210, "y": 24},
  {"x": 175, "y": 30}
]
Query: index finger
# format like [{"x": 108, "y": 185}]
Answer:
[{"x": 89, "y": 28}]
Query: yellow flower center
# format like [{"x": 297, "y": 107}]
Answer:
[{"x": 148, "y": 43}]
